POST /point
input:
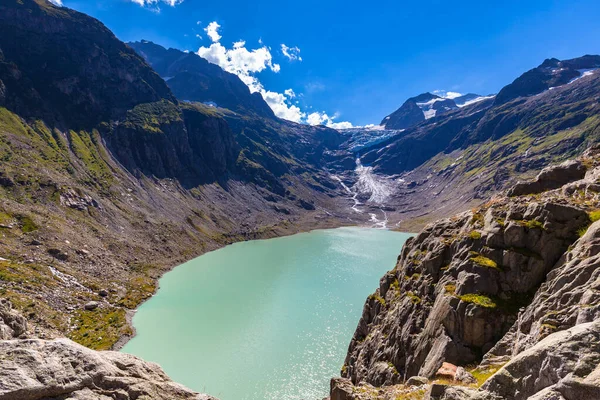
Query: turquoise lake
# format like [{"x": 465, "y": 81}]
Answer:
[{"x": 265, "y": 319}]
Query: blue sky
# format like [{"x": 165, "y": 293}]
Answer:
[{"x": 361, "y": 60}]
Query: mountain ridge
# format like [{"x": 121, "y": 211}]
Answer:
[
  {"x": 193, "y": 78},
  {"x": 109, "y": 178}
]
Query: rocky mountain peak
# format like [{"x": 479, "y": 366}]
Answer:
[
  {"x": 550, "y": 74},
  {"x": 426, "y": 106},
  {"x": 192, "y": 78},
  {"x": 77, "y": 88}
]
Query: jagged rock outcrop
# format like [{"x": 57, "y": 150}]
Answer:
[
  {"x": 457, "y": 289},
  {"x": 12, "y": 324},
  {"x": 550, "y": 178},
  {"x": 513, "y": 283},
  {"x": 61, "y": 369},
  {"x": 565, "y": 365},
  {"x": 551, "y": 73},
  {"x": 569, "y": 296}
]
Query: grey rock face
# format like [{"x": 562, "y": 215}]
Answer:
[
  {"x": 552, "y": 177},
  {"x": 457, "y": 289},
  {"x": 568, "y": 297},
  {"x": 12, "y": 324},
  {"x": 557, "y": 367},
  {"x": 39, "y": 369},
  {"x": 341, "y": 389},
  {"x": 70, "y": 198}
]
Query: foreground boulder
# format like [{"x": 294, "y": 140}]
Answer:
[
  {"x": 566, "y": 363},
  {"x": 501, "y": 302},
  {"x": 61, "y": 369}
]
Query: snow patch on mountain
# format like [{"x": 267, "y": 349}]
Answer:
[
  {"x": 584, "y": 73},
  {"x": 475, "y": 100},
  {"x": 430, "y": 110}
]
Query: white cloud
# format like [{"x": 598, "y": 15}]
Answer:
[
  {"x": 56, "y": 2},
  {"x": 280, "y": 105},
  {"x": 321, "y": 118},
  {"x": 212, "y": 31},
  {"x": 241, "y": 61},
  {"x": 246, "y": 63},
  {"x": 447, "y": 95},
  {"x": 292, "y": 53},
  {"x": 145, "y": 3}
]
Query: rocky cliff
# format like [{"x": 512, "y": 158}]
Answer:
[
  {"x": 192, "y": 78},
  {"x": 109, "y": 177},
  {"x": 507, "y": 287},
  {"x": 107, "y": 180}
]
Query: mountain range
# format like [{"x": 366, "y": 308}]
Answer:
[{"x": 120, "y": 161}]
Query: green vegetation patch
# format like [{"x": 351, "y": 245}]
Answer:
[
  {"x": 89, "y": 150},
  {"x": 483, "y": 261},
  {"x": 378, "y": 298},
  {"x": 477, "y": 218},
  {"x": 479, "y": 299},
  {"x": 138, "y": 289},
  {"x": 32, "y": 274},
  {"x": 414, "y": 298},
  {"x": 483, "y": 374},
  {"x": 593, "y": 216},
  {"x": 150, "y": 117},
  {"x": 475, "y": 235},
  {"x": 532, "y": 224},
  {"x": 99, "y": 329},
  {"x": 395, "y": 285},
  {"x": 450, "y": 289},
  {"x": 27, "y": 224}
]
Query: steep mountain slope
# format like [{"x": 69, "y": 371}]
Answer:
[
  {"x": 454, "y": 161},
  {"x": 418, "y": 109},
  {"x": 192, "y": 78},
  {"x": 506, "y": 289},
  {"x": 107, "y": 180},
  {"x": 76, "y": 83},
  {"x": 426, "y": 106},
  {"x": 550, "y": 74}
]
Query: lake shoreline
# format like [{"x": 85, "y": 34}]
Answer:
[
  {"x": 294, "y": 229},
  {"x": 273, "y": 308}
]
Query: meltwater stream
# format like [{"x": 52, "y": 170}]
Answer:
[{"x": 266, "y": 319}]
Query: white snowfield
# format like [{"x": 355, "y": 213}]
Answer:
[
  {"x": 475, "y": 100},
  {"x": 584, "y": 73}
]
